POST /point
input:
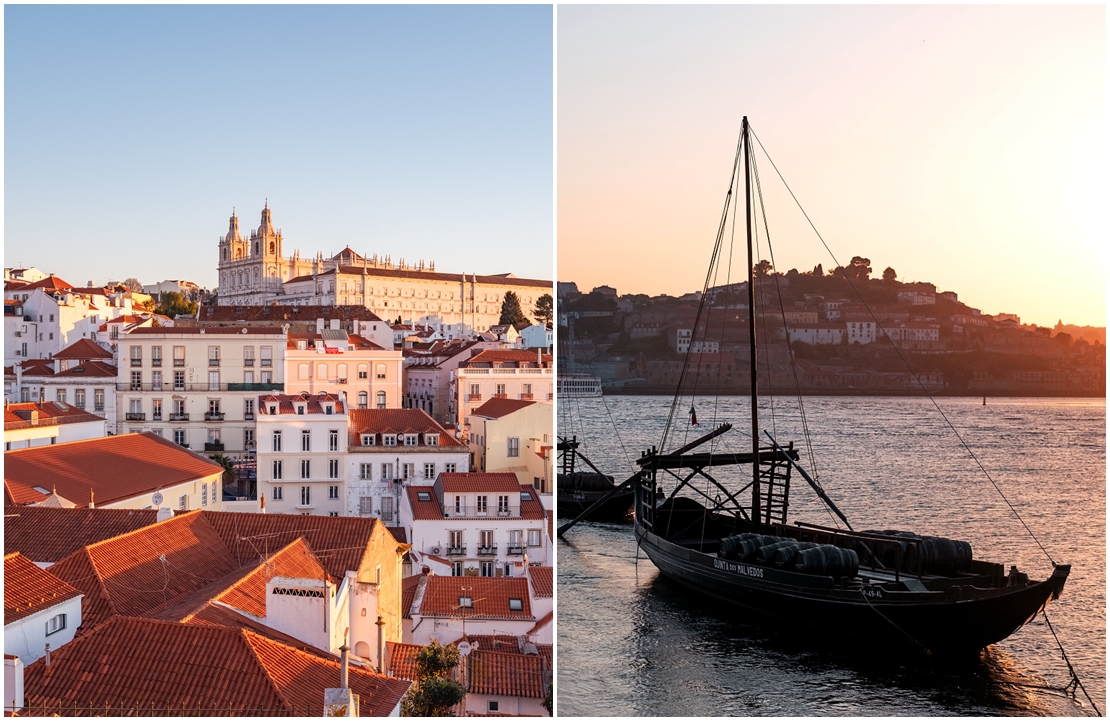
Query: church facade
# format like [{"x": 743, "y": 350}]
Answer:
[{"x": 254, "y": 271}]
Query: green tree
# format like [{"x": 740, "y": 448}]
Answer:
[
  {"x": 890, "y": 274},
  {"x": 174, "y": 304},
  {"x": 433, "y": 693},
  {"x": 511, "y": 314},
  {"x": 763, "y": 267},
  {"x": 548, "y": 701},
  {"x": 228, "y": 465},
  {"x": 544, "y": 310}
]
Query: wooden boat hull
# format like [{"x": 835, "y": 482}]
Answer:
[
  {"x": 616, "y": 509},
  {"x": 956, "y": 621}
]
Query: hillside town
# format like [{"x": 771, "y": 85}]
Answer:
[
  {"x": 841, "y": 332},
  {"x": 323, "y": 488}
]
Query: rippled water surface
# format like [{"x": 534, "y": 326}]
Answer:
[{"x": 632, "y": 643}]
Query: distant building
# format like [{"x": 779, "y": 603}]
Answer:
[
  {"x": 42, "y": 424},
  {"x": 514, "y": 436}
]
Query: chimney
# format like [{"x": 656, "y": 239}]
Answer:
[
  {"x": 340, "y": 701},
  {"x": 48, "y": 655},
  {"x": 164, "y": 514},
  {"x": 319, "y": 325},
  {"x": 334, "y": 324}
]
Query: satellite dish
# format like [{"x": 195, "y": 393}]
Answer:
[
  {"x": 464, "y": 648},
  {"x": 156, "y": 498}
]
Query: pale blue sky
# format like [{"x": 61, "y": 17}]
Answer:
[{"x": 414, "y": 131}]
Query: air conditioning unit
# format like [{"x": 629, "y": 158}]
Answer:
[
  {"x": 437, "y": 551},
  {"x": 18, "y": 334}
]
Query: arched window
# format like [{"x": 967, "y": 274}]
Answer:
[
  {"x": 256, "y": 247},
  {"x": 302, "y": 371},
  {"x": 341, "y": 371},
  {"x": 380, "y": 371},
  {"x": 363, "y": 369},
  {"x": 322, "y": 371},
  {"x": 381, "y": 399},
  {"x": 271, "y": 247},
  {"x": 362, "y": 399}
]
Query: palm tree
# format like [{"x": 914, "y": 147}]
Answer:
[{"x": 229, "y": 475}]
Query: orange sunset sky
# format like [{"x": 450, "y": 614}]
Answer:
[{"x": 964, "y": 146}]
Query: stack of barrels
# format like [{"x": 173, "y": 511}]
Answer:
[{"x": 820, "y": 559}]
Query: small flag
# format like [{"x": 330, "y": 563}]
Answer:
[{"x": 693, "y": 416}]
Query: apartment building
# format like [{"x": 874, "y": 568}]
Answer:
[
  {"x": 513, "y": 436},
  {"x": 517, "y": 374},
  {"x": 428, "y": 375},
  {"x": 198, "y": 386},
  {"x": 390, "y": 447},
  {"x": 335, "y": 361}
]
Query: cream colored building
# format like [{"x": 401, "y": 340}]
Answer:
[
  {"x": 335, "y": 361},
  {"x": 198, "y": 387},
  {"x": 513, "y": 436},
  {"x": 516, "y": 374},
  {"x": 254, "y": 271}
]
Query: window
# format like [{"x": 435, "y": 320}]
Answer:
[
  {"x": 204, "y": 494},
  {"x": 25, "y": 395},
  {"x": 333, "y": 468},
  {"x": 482, "y": 505},
  {"x": 423, "y": 496},
  {"x": 306, "y": 495},
  {"x": 526, "y": 389},
  {"x": 55, "y": 624},
  {"x": 179, "y": 437},
  {"x": 179, "y": 380},
  {"x": 306, "y": 468},
  {"x": 333, "y": 440},
  {"x": 389, "y": 439},
  {"x": 300, "y": 410},
  {"x": 475, "y": 390},
  {"x": 277, "y": 493},
  {"x": 341, "y": 372},
  {"x": 267, "y": 376},
  {"x": 213, "y": 408},
  {"x": 306, "y": 440},
  {"x": 248, "y": 355},
  {"x": 277, "y": 471},
  {"x": 366, "y": 504},
  {"x": 156, "y": 380},
  {"x": 277, "y": 441},
  {"x": 502, "y": 505},
  {"x": 79, "y": 398},
  {"x": 429, "y": 471},
  {"x": 380, "y": 371},
  {"x": 514, "y": 447},
  {"x": 179, "y": 355},
  {"x": 533, "y": 537},
  {"x": 515, "y": 541},
  {"x": 367, "y": 439},
  {"x": 466, "y": 602},
  {"x": 516, "y": 604},
  {"x": 487, "y": 569},
  {"x": 248, "y": 377},
  {"x": 302, "y": 371},
  {"x": 493, "y": 706},
  {"x": 387, "y": 508},
  {"x": 213, "y": 355},
  {"x": 136, "y": 355},
  {"x": 456, "y": 539},
  {"x": 387, "y": 472},
  {"x": 364, "y": 471},
  {"x": 182, "y": 503},
  {"x": 322, "y": 371},
  {"x": 333, "y": 492},
  {"x": 136, "y": 380},
  {"x": 448, "y": 467},
  {"x": 432, "y": 439},
  {"x": 408, "y": 471},
  {"x": 248, "y": 409},
  {"x": 456, "y": 568},
  {"x": 156, "y": 409},
  {"x": 410, "y": 439},
  {"x": 500, "y": 389},
  {"x": 61, "y": 395},
  {"x": 485, "y": 539},
  {"x": 381, "y": 399},
  {"x": 267, "y": 354},
  {"x": 248, "y": 439},
  {"x": 362, "y": 399},
  {"x": 213, "y": 380},
  {"x": 362, "y": 370}
]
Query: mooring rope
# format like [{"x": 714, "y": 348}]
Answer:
[{"x": 1074, "y": 676}]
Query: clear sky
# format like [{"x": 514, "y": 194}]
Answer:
[
  {"x": 422, "y": 132},
  {"x": 964, "y": 146}
]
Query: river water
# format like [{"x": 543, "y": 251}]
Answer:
[{"x": 632, "y": 643}]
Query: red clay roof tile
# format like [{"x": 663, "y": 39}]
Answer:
[
  {"x": 47, "y": 535},
  {"x": 83, "y": 349},
  {"x": 505, "y": 674},
  {"x": 489, "y": 597},
  {"x": 397, "y": 420},
  {"x": 541, "y": 581},
  {"x": 498, "y": 407},
  {"x": 480, "y": 482},
  {"x": 28, "y": 589}
]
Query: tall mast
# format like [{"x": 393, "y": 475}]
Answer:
[{"x": 756, "y": 504}]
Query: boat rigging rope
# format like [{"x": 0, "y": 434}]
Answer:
[
  {"x": 922, "y": 646},
  {"x": 1074, "y": 676},
  {"x": 917, "y": 378}
]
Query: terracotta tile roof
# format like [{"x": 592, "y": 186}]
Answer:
[
  {"x": 48, "y": 413},
  {"x": 401, "y": 659},
  {"x": 541, "y": 581},
  {"x": 89, "y": 369},
  {"x": 455, "y": 278},
  {"x": 49, "y": 284},
  {"x": 479, "y": 482},
  {"x": 548, "y": 617},
  {"x": 428, "y": 510},
  {"x": 114, "y": 467},
  {"x": 146, "y": 571},
  {"x": 505, "y": 674},
  {"x": 408, "y": 594},
  {"x": 498, "y": 407},
  {"x": 28, "y": 589},
  {"x": 312, "y": 339},
  {"x": 35, "y": 370},
  {"x": 501, "y": 357},
  {"x": 208, "y": 330},
  {"x": 83, "y": 349},
  {"x": 160, "y": 667},
  {"x": 276, "y": 313},
  {"x": 399, "y": 533},
  {"x": 396, "y": 420},
  {"x": 490, "y": 597},
  {"x": 47, "y": 535},
  {"x": 286, "y": 404},
  {"x": 502, "y": 642},
  {"x": 340, "y": 542}
]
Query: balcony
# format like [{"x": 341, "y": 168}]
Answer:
[
  {"x": 156, "y": 362},
  {"x": 475, "y": 512},
  {"x": 213, "y": 446},
  {"x": 456, "y": 550},
  {"x": 178, "y": 362},
  {"x": 248, "y": 416},
  {"x": 517, "y": 550},
  {"x": 135, "y": 416},
  {"x": 474, "y": 397},
  {"x": 525, "y": 396},
  {"x": 156, "y": 417},
  {"x": 203, "y": 386},
  {"x": 487, "y": 550},
  {"x": 256, "y": 386},
  {"x": 179, "y": 417},
  {"x": 267, "y": 362},
  {"x": 213, "y": 362},
  {"x": 136, "y": 362},
  {"x": 500, "y": 395},
  {"x": 248, "y": 362},
  {"x": 213, "y": 416}
]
